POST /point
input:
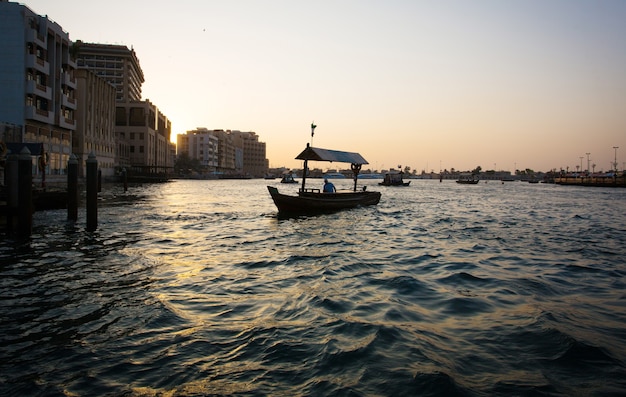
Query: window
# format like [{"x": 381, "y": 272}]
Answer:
[
  {"x": 120, "y": 116},
  {"x": 137, "y": 117}
]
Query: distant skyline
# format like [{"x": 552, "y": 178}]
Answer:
[{"x": 458, "y": 84}]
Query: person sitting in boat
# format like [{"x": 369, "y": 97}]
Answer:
[{"x": 329, "y": 187}]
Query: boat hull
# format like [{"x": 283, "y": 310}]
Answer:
[
  {"x": 394, "y": 183},
  {"x": 309, "y": 202}
]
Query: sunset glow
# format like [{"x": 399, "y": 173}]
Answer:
[{"x": 523, "y": 84}]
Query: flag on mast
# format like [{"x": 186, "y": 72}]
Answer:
[{"x": 313, "y": 126}]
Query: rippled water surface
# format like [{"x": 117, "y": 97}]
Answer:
[{"x": 197, "y": 288}]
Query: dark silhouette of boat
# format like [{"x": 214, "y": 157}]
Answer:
[
  {"x": 311, "y": 201},
  {"x": 468, "y": 179},
  {"x": 394, "y": 179},
  {"x": 288, "y": 178}
]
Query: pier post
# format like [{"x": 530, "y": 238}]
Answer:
[
  {"x": 25, "y": 194},
  {"x": 125, "y": 179},
  {"x": 72, "y": 188},
  {"x": 92, "y": 192},
  {"x": 12, "y": 181}
]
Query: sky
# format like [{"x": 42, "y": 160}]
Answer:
[{"x": 430, "y": 85}]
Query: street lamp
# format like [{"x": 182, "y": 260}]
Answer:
[
  {"x": 615, "y": 160},
  {"x": 587, "y": 162},
  {"x": 581, "y": 163}
]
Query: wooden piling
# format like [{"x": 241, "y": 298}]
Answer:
[
  {"x": 25, "y": 194},
  {"x": 72, "y": 188},
  {"x": 92, "y": 192},
  {"x": 11, "y": 177},
  {"x": 125, "y": 179}
]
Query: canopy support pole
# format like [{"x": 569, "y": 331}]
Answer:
[{"x": 356, "y": 168}]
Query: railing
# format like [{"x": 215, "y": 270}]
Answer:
[{"x": 309, "y": 190}]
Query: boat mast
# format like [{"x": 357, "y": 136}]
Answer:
[{"x": 306, "y": 162}]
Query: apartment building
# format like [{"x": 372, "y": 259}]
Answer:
[
  {"x": 225, "y": 151},
  {"x": 143, "y": 134},
  {"x": 200, "y": 144},
  {"x": 37, "y": 77},
  {"x": 142, "y": 131},
  {"x": 95, "y": 127},
  {"x": 255, "y": 162},
  {"x": 116, "y": 64}
]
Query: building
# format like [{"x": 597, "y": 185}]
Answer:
[
  {"x": 95, "y": 117},
  {"x": 225, "y": 151},
  {"x": 142, "y": 132},
  {"x": 116, "y": 64},
  {"x": 37, "y": 76},
  {"x": 200, "y": 144},
  {"x": 255, "y": 162}
]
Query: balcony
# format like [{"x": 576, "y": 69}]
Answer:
[
  {"x": 44, "y": 116},
  {"x": 38, "y": 64},
  {"x": 69, "y": 62},
  {"x": 67, "y": 123},
  {"x": 68, "y": 102},
  {"x": 37, "y": 89},
  {"x": 33, "y": 37},
  {"x": 69, "y": 81}
]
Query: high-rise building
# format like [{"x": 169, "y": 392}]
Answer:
[
  {"x": 117, "y": 64},
  {"x": 142, "y": 131},
  {"x": 38, "y": 84}
]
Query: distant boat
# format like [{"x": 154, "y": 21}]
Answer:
[
  {"x": 234, "y": 176},
  {"x": 334, "y": 175},
  {"x": 311, "y": 201},
  {"x": 394, "y": 179},
  {"x": 288, "y": 178},
  {"x": 370, "y": 176},
  {"x": 468, "y": 179}
]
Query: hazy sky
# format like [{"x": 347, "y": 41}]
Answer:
[{"x": 527, "y": 84}]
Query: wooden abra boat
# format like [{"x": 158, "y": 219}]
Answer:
[
  {"x": 288, "y": 178},
  {"x": 468, "y": 179},
  {"x": 394, "y": 179},
  {"x": 313, "y": 200}
]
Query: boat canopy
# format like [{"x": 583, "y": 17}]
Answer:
[{"x": 318, "y": 154}]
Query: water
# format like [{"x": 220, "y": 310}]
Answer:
[{"x": 196, "y": 288}]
